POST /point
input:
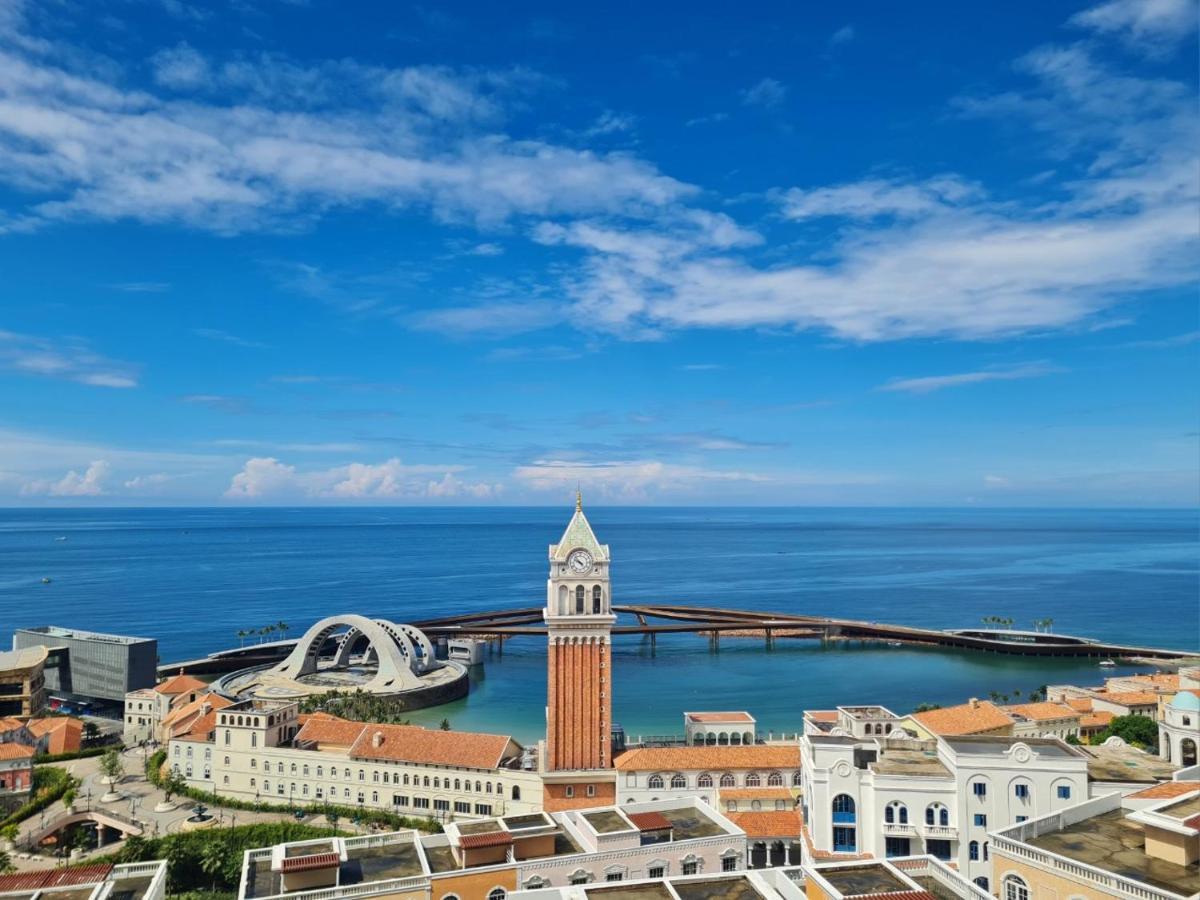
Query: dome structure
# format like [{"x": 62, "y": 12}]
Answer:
[{"x": 1186, "y": 700}]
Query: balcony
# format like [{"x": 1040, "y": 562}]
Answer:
[
  {"x": 940, "y": 832},
  {"x": 896, "y": 829}
]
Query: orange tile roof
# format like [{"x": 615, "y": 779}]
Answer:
[
  {"x": 11, "y": 750},
  {"x": 822, "y": 715},
  {"x": 967, "y": 718},
  {"x": 185, "y": 718},
  {"x": 649, "y": 821},
  {"x": 1096, "y": 720},
  {"x": 770, "y": 793},
  {"x": 411, "y": 743},
  {"x": 308, "y": 863},
  {"x": 1167, "y": 681},
  {"x": 774, "y": 824},
  {"x": 8, "y": 723},
  {"x": 1166, "y": 790},
  {"x": 66, "y": 733},
  {"x": 720, "y": 717},
  {"x": 1041, "y": 712},
  {"x": 756, "y": 756},
  {"x": 180, "y": 684},
  {"x": 1130, "y": 698},
  {"x": 1079, "y": 704},
  {"x": 322, "y": 728}
]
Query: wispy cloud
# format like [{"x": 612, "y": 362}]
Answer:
[
  {"x": 930, "y": 383},
  {"x": 141, "y": 287},
  {"x": 1151, "y": 25},
  {"x": 264, "y": 478},
  {"x": 68, "y": 359},
  {"x": 767, "y": 93},
  {"x": 215, "y": 334},
  {"x": 843, "y": 35},
  {"x": 1177, "y": 340},
  {"x": 875, "y": 197}
]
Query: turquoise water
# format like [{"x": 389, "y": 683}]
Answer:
[{"x": 192, "y": 578}]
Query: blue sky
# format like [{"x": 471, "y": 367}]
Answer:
[{"x": 264, "y": 252}]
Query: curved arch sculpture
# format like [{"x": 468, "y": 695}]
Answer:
[{"x": 394, "y": 672}]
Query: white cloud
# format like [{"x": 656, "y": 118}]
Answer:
[
  {"x": 90, "y": 484},
  {"x": 264, "y": 477},
  {"x": 180, "y": 67},
  {"x": 69, "y": 359},
  {"x": 1153, "y": 25},
  {"x": 216, "y": 334},
  {"x": 609, "y": 122},
  {"x": 147, "y": 482},
  {"x": 876, "y": 197},
  {"x": 767, "y": 93},
  {"x": 843, "y": 35},
  {"x": 624, "y": 478},
  {"x": 929, "y": 383}
]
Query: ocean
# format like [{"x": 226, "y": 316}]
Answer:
[{"x": 193, "y": 577}]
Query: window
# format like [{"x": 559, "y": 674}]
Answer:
[
  {"x": 227, "y": 760},
  {"x": 579, "y": 878},
  {"x": 729, "y": 864},
  {"x": 461, "y": 806},
  {"x": 399, "y": 800},
  {"x": 982, "y": 882},
  {"x": 727, "y": 780},
  {"x": 775, "y": 779},
  {"x": 450, "y": 897},
  {"x": 844, "y": 840},
  {"x": 1015, "y": 889},
  {"x": 225, "y": 779},
  {"x": 1021, "y": 790},
  {"x": 1021, "y": 819},
  {"x": 985, "y": 851},
  {"x": 678, "y": 782},
  {"x": 569, "y": 790},
  {"x": 374, "y": 796},
  {"x": 1064, "y": 792},
  {"x": 895, "y": 813},
  {"x": 843, "y": 809},
  {"x": 896, "y": 846},
  {"x": 656, "y": 872},
  {"x": 483, "y": 809},
  {"x": 756, "y": 805},
  {"x": 655, "y": 783},
  {"x": 421, "y": 802},
  {"x": 731, "y": 806},
  {"x": 579, "y": 599},
  {"x": 497, "y": 894},
  {"x": 752, "y": 780},
  {"x": 590, "y": 791},
  {"x": 937, "y": 848},
  {"x": 597, "y": 597},
  {"x": 691, "y": 867},
  {"x": 797, "y": 778},
  {"x": 441, "y": 805},
  {"x": 980, "y": 820},
  {"x": 973, "y": 850},
  {"x": 979, "y": 789},
  {"x": 614, "y": 876}
]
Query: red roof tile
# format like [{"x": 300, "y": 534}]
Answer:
[
  {"x": 46, "y": 878},
  {"x": 649, "y": 821},
  {"x": 411, "y": 743},
  {"x": 12, "y": 750},
  {"x": 772, "y": 824},
  {"x": 308, "y": 863},
  {"x": 490, "y": 839}
]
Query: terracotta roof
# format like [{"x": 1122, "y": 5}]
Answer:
[
  {"x": 184, "y": 718},
  {"x": 410, "y": 743},
  {"x": 66, "y": 733},
  {"x": 1167, "y": 681},
  {"x": 769, "y": 793},
  {"x": 649, "y": 821},
  {"x": 757, "y": 756},
  {"x": 774, "y": 824},
  {"x": 487, "y": 839},
  {"x": 720, "y": 717},
  {"x": 46, "y": 878},
  {"x": 1130, "y": 698},
  {"x": 1166, "y": 790},
  {"x": 822, "y": 715},
  {"x": 1096, "y": 720},
  {"x": 308, "y": 863},
  {"x": 8, "y": 723},
  {"x": 12, "y": 750},
  {"x": 1079, "y": 704},
  {"x": 322, "y": 728},
  {"x": 967, "y": 718},
  {"x": 1041, "y": 712},
  {"x": 200, "y": 728},
  {"x": 180, "y": 684}
]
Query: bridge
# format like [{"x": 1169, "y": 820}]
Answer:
[{"x": 108, "y": 824}]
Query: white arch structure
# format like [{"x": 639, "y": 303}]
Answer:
[{"x": 399, "y": 663}]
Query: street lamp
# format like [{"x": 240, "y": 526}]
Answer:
[{"x": 88, "y": 795}]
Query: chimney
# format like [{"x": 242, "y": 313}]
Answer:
[
  {"x": 377, "y": 739},
  {"x": 974, "y": 702}
]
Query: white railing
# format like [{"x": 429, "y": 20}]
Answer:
[
  {"x": 157, "y": 888},
  {"x": 366, "y": 888},
  {"x": 894, "y": 828},
  {"x": 939, "y": 831},
  {"x": 380, "y": 840},
  {"x": 931, "y": 867}
]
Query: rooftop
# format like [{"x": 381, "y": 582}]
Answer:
[
  {"x": 737, "y": 888},
  {"x": 1164, "y": 791},
  {"x": 1129, "y": 698},
  {"x": 16, "y": 660},
  {"x": 784, "y": 823},
  {"x": 741, "y": 717},
  {"x": 854, "y": 881},
  {"x": 648, "y": 890},
  {"x": 1042, "y": 712},
  {"x": 80, "y": 635},
  {"x": 689, "y": 822},
  {"x": 981, "y": 744},
  {"x": 1112, "y": 842},
  {"x": 759, "y": 756},
  {"x": 607, "y": 821},
  {"x": 1120, "y": 762},
  {"x": 411, "y": 743},
  {"x": 398, "y": 859},
  {"x": 916, "y": 763},
  {"x": 968, "y": 718}
]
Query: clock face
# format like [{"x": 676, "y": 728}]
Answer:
[{"x": 580, "y": 561}]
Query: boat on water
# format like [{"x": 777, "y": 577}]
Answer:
[
  {"x": 1108, "y": 664},
  {"x": 895, "y": 644},
  {"x": 45, "y": 581},
  {"x": 61, "y": 537}
]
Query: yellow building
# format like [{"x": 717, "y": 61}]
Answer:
[{"x": 22, "y": 681}]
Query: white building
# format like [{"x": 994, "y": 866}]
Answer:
[
  {"x": 1179, "y": 729},
  {"x": 659, "y": 773},
  {"x": 146, "y": 708},
  {"x": 258, "y": 750},
  {"x": 894, "y": 797}
]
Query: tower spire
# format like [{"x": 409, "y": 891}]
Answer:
[{"x": 578, "y": 499}]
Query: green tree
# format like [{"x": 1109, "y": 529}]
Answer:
[
  {"x": 282, "y": 628},
  {"x": 926, "y": 707},
  {"x": 91, "y": 732},
  {"x": 445, "y": 726},
  {"x": 1140, "y": 731},
  {"x": 212, "y": 860},
  {"x": 242, "y": 634},
  {"x": 112, "y": 765},
  {"x": 6, "y": 864},
  {"x": 173, "y": 783}
]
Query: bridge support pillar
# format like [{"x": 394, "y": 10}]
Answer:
[
  {"x": 714, "y": 640},
  {"x": 653, "y": 643},
  {"x": 641, "y": 620},
  {"x": 770, "y": 639}
]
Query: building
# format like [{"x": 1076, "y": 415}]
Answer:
[
  {"x": 1142, "y": 845},
  {"x": 16, "y": 773},
  {"x": 1179, "y": 728},
  {"x": 57, "y": 734},
  {"x": 973, "y": 717},
  {"x": 892, "y": 796},
  {"x": 490, "y": 858},
  {"x": 576, "y": 759},
  {"x": 1126, "y": 703},
  {"x": 146, "y": 708},
  {"x": 658, "y": 773},
  {"x": 23, "y": 681},
  {"x": 718, "y": 728},
  {"x": 91, "y": 665},
  {"x": 94, "y": 881},
  {"x": 264, "y": 750},
  {"x": 1044, "y": 720}
]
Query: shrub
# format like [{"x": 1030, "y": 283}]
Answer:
[{"x": 49, "y": 784}]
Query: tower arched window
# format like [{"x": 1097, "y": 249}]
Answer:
[
  {"x": 704, "y": 781},
  {"x": 597, "y": 598},
  {"x": 655, "y": 783},
  {"x": 775, "y": 779},
  {"x": 973, "y": 850},
  {"x": 579, "y": 599},
  {"x": 727, "y": 780}
]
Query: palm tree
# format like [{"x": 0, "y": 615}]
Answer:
[
  {"x": 242, "y": 634},
  {"x": 265, "y": 632},
  {"x": 282, "y": 628},
  {"x": 6, "y": 864}
]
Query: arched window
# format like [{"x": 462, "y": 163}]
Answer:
[
  {"x": 499, "y": 893},
  {"x": 973, "y": 850},
  {"x": 449, "y": 896},
  {"x": 937, "y": 814},
  {"x": 578, "y": 609},
  {"x": 756, "y": 805},
  {"x": 727, "y": 780},
  {"x": 843, "y": 808},
  {"x": 797, "y": 778},
  {"x": 655, "y": 783},
  {"x": 982, "y": 882},
  {"x": 704, "y": 781},
  {"x": 775, "y": 779},
  {"x": 985, "y": 851},
  {"x": 597, "y": 598},
  {"x": 1014, "y": 889},
  {"x": 516, "y": 792},
  {"x": 752, "y": 780},
  {"x": 678, "y": 782},
  {"x": 889, "y": 814}
]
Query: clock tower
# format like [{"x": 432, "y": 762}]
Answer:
[{"x": 576, "y": 760}]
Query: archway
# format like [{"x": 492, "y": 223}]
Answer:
[{"x": 1187, "y": 752}]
